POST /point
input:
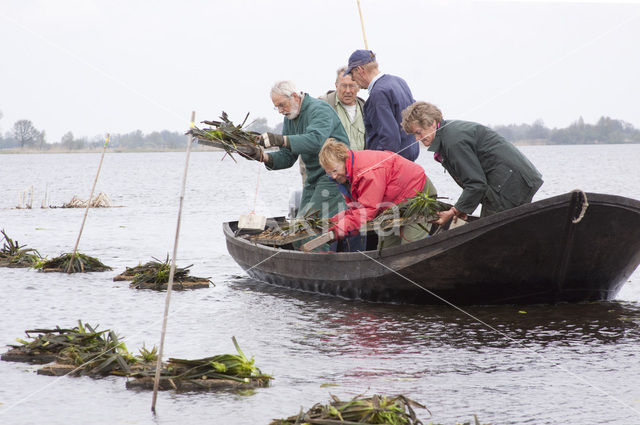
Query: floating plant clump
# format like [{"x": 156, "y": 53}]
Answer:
[
  {"x": 396, "y": 410},
  {"x": 80, "y": 263},
  {"x": 226, "y": 135},
  {"x": 101, "y": 200},
  {"x": 82, "y": 350},
  {"x": 14, "y": 255},
  {"x": 155, "y": 275},
  {"x": 226, "y": 366},
  {"x": 85, "y": 351},
  {"x": 231, "y": 371}
]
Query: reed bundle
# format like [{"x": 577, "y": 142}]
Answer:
[
  {"x": 155, "y": 275},
  {"x": 236, "y": 367},
  {"x": 81, "y": 264},
  {"x": 25, "y": 199},
  {"x": 101, "y": 200},
  {"x": 15, "y": 255},
  {"x": 233, "y": 367},
  {"x": 396, "y": 410},
  {"x": 420, "y": 208},
  {"x": 310, "y": 223},
  {"x": 93, "y": 352},
  {"x": 226, "y": 135}
]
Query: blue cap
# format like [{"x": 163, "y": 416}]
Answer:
[{"x": 359, "y": 58}]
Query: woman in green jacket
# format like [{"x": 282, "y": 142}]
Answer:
[{"x": 490, "y": 170}]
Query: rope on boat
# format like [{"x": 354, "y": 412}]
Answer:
[
  {"x": 585, "y": 205},
  {"x": 255, "y": 196}
]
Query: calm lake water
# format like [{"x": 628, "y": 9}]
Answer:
[{"x": 563, "y": 364}]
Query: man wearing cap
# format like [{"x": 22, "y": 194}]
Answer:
[{"x": 382, "y": 113}]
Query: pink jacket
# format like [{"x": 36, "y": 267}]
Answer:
[{"x": 378, "y": 179}]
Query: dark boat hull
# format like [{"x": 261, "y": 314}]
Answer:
[{"x": 527, "y": 255}]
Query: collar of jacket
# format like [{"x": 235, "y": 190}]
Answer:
[
  {"x": 349, "y": 166},
  {"x": 374, "y": 80},
  {"x": 304, "y": 106},
  {"x": 332, "y": 99},
  {"x": 436, "y": 144}
]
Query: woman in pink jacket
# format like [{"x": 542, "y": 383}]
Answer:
[{"x": 372, "y": 181}]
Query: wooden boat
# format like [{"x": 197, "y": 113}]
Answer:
[{"x": 569, "y": 248}]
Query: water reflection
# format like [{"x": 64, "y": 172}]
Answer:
[{"x": 337, "y": 327}]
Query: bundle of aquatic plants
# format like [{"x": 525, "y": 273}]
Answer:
[
  {"x": 81, "y": 264},
  {"x": 101, "y": 200},
  {"x": 155, "y": 274},
  {"x": 396, "y": 410},
  {"x": 93, "y": 351},
  {"x": 309, "y": 223},
  {"x": 226, "y": 135},
  {"x": 15, "y": 255},
  {"x": 419, "y": 208},
  {"x": 236, "y": 367}
]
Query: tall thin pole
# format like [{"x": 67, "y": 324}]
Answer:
[
  {"x": 86, "y": 211},
  {"x": 172, "y": 271},
  {"x": 362, "y": 25}
]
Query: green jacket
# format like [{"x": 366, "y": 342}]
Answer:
[
  {"x": 490, "y": 170},
  {"x": 307, "y": 133},
  {"x": 355, "y": 129}
]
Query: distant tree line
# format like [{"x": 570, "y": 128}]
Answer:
[
  {"x": 606, "y": 130},
  {"x": 25, "y": 135}
]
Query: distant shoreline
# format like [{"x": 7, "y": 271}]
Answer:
[
  {"x": 110, "y": 150},
  {"x": 198, "y": 148}
]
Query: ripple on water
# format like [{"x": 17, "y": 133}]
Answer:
[{"x": 523, "y": 365}]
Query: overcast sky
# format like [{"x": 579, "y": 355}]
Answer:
[{"x": 93, "y": 67}]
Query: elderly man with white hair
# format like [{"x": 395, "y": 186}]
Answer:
[{"x": 308, "y": 122}]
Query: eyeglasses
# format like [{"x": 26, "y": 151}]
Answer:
[
  {"x": 332, "y": 173},
  {"x": 349, "y": 86},
  {"x": 282, "y": 105}
]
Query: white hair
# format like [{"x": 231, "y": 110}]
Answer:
[{"x": 283, "y": 88}]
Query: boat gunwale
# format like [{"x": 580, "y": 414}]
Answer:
[{"x": 441, "y": 241}]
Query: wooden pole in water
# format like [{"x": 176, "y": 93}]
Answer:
[
  {"x": 362, "y": 25},
  {"x": 86, "y": 211},
  {"x": 172, "y": 271}
]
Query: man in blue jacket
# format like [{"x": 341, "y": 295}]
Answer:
[{"x": 388, "y": 97}]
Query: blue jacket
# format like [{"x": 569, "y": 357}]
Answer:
[{"x": 382, "y": 115}]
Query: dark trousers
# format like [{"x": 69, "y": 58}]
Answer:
[{"x": 352, "y": 244}]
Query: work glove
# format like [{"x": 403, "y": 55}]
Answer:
[
  {"x": 269, "y": 140},
  {"x": 254, "y": 153}
]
